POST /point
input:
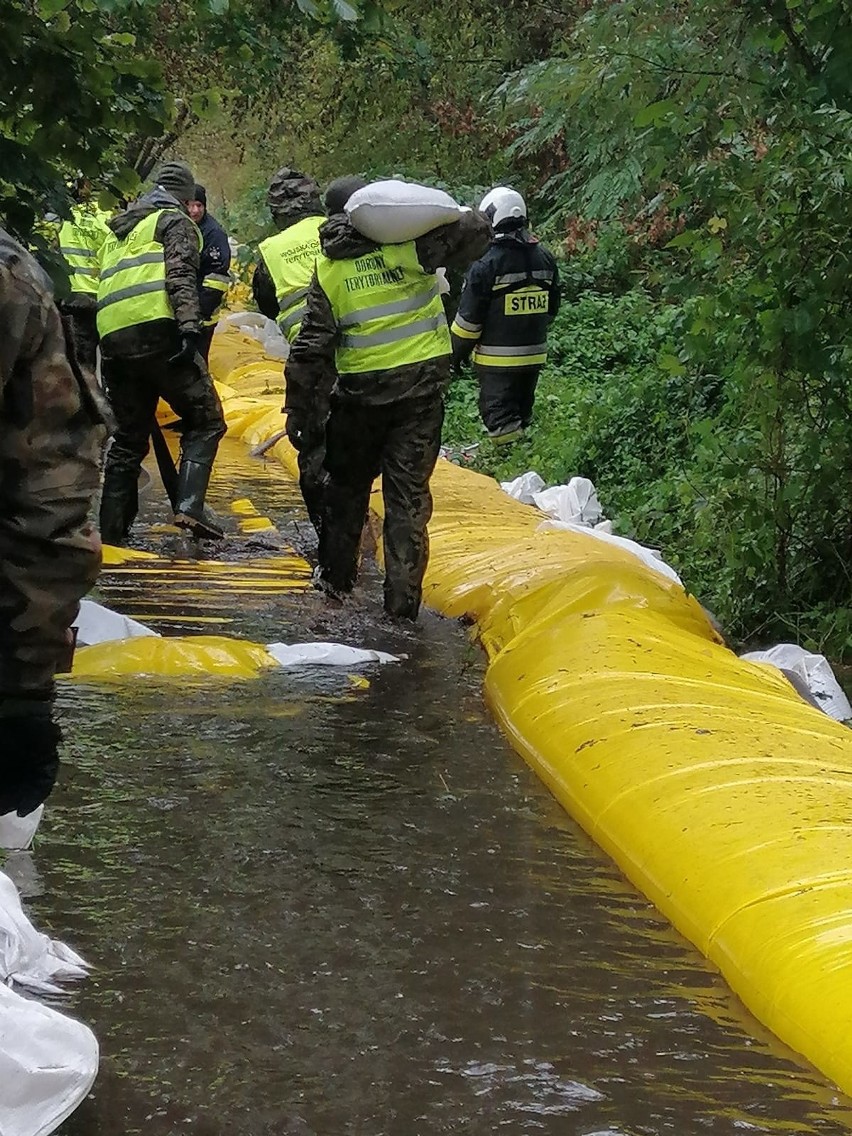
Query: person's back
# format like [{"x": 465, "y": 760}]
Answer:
[
  {"x": 81, "y": 238},
  {"x": 148, "y": 294},
  {"x": 286, "y": 263},
  {"x": 509, "y": 299},
  {"x": 149, "y": 323},
  {"x": 80, "y": 241},
  {"x": 52, "y": 431},
  {"x": 376, "y": 333}
]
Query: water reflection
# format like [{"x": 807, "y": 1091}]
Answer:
[{"x": 317, "y": 909}]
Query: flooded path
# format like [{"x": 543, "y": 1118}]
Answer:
[{"x": 321, "y": 908}]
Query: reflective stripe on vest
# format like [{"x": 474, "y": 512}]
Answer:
[
  {"x": 80, "y": 242},
  {"x": 132, "y": 287},
  {"x": 290, "y": 257},
  {"x": 387, "y": 308}
]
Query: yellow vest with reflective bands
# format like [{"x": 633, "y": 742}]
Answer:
[
  {"x": 290, "y": 257},
  {"x": 132, "y": 287},
  {"x": 80, "y": 242},
  {"x": 388, "y": 309}
]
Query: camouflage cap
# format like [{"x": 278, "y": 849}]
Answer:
[
  {"x": 177, "y": 179},
  {"x": 292, "y": 192}
]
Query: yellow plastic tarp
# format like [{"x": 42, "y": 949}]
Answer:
[
  {"x": 725, "y": 798},
  {"x": 211, "y": 656}
]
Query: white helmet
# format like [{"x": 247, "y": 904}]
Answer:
[{"x": 503, "y": 204}]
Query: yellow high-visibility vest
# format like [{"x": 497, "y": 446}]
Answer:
[
  {"x": 290, "y": 258},
  {"x": 132, "y": 288},
  {"x": 388, "y": 309},
  {"x": 80, "y": 242}
]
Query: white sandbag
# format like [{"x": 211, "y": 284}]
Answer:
[
  {"x": 525, "y": 487},
  {"x": 392, "y": 212},
  {"x": 326, "y": 654},
  {"x": 48, "y": 1063},
  {"x": 577, "y": 502},
  {"x": 814, "y": 670},
  {"x": 16, "y": 833},
  {"x": 28, "y": 957},
  {"x": 97, "y": 624},
  {"x": 649, "y": 556}
]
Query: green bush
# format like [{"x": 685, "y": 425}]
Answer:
[{"x": 682, "y": 461}]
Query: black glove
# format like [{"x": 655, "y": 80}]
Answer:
[
  {"x": 189, "y": 341},
  {"x": 29, "y": 757},
  {"x": 300, "y": 431}
]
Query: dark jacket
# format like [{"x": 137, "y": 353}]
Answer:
[
  {"x": 215, "y": 261},
  {"x": 52, "y": 430},
  {"x": 513, "y": 262},
  {"x": 262, "y": 286},
  {"x": 311, "y": 373},
  {"x": 179, "y": 238}
]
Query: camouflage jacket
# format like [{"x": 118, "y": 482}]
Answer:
[
  {"x": 311, "y": 373},
  {"x": 53, "y": 425}
]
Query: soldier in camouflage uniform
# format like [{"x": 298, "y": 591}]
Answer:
[
  {"x": 375, "y": 335},
  {"x": 52, "y": 431},
  {"x": 149, "y": 319}
]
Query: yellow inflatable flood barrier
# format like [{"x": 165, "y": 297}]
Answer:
[{"x": 725, "y": 798}]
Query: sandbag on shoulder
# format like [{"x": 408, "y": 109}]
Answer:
[{"x": 393, "y": 212}]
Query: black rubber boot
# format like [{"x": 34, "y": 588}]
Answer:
[
  {"x": 193, "y": 479},
  {"x": 119, "y": 506}
]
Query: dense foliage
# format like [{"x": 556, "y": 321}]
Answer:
[{"x": 723, "y": 134}]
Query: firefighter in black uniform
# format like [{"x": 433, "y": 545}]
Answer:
[{"x": 509, "y": 299}]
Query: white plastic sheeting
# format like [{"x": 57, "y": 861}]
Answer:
[
  {"x": 326, "y": 654},
  {"x": 27, "y": 957},
  {"x": 814, "y": 670},
  {"x": 97, "y": 624},
  {"x": 525, "y": 487},
  {"x": 576, "y": 507},
  {"x": 259, "y": 327},
  {"x": 16, "y": 833},
  {"x": 48, "y": 1063},
  {"x": 575, "y": 503},
  {"x": 392, "y": 212}
]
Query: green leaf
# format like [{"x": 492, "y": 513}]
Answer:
[
  {"x": 686, "y": 239},
  {"x": 47, "y": 9},
  {"x": 670, "y": 363},
  {"x": 654, "y": 114}
]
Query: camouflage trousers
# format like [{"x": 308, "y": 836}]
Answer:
[
  {"x": 84, "y": 332},
  {"x": 134, "y": 388},
  {"x": 400, "y": 441}
]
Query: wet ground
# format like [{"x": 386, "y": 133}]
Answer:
[{"x": 322, "y": 908}]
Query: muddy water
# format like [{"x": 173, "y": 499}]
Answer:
[{"x": 319, "y": 908}]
